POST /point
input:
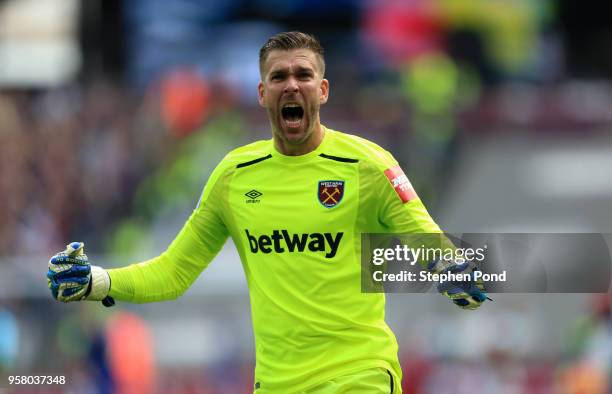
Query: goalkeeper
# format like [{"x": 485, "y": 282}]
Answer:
[{"x": 295, "y": 206}]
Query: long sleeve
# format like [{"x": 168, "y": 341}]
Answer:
[
  {"x": 394, "y": 207},
  {"x": 170, "y": 274}
]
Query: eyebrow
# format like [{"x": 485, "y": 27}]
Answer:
[{"x": 298, "y": 69}]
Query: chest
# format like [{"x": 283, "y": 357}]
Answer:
[{"x": 305, "y": 198}]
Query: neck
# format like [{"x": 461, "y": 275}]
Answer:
[{"x": 307, "y": 146}]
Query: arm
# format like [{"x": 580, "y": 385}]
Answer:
[
  {"x": 399, "y": 209},
  {"x": 72, "y": 278},
  {"x": 402, "y": 212},
  {"x": 170, "y": 274}
]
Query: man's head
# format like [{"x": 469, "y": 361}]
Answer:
[
  {"x": 292, "y": 89},
  {"x": 288, "y": 41}
]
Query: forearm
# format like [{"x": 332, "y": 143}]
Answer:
[
  {"x": 158, "y": 279},
  {"x": 416, "y": 229},
  {"x": 169, "y": 275}
]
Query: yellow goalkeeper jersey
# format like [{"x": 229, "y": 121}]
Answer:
[{"x": 296, "y": 221}]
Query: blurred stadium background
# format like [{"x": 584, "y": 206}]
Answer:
[{"x": 113, "y": 113}]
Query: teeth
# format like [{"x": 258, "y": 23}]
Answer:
[{"x": 292, "y": 106}]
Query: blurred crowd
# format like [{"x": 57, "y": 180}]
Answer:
[
  {"x": 69, "y": 159},
  {"x": 116, "y": 351}
]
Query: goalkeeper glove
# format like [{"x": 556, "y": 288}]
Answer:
[
  {"x": 72, "y": 278},
  {"x": 466, "y": 294}
]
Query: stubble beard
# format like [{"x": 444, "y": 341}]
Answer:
[{"x": 278, "y": 131}]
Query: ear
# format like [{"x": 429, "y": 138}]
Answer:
[
  {"x": 260, "y": 90},
  {"x": 324, "y": 91}
]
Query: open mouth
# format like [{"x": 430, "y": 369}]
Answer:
[{"x": 292, "y": 115}]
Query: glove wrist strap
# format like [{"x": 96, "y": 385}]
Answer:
[{"x": 100, "y": 284}]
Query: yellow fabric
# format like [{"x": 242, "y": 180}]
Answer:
[
  {"x": 300, "y": 254},
  {"x": 369, "y": 381}
]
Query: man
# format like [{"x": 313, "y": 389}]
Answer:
[{"x": 295, "y": 207}]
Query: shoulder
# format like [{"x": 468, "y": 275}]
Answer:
[
  {"x": 358, "y": 148},
  {"x": 235, "y": 159},
  {"x": 242, "y": 156}
]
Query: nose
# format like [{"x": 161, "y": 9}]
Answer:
[{"x": 291, "y": 86}]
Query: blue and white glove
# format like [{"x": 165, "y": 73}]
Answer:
[
  {"x": 466, "y": 294},
  {"x": 72, "y": 278}
]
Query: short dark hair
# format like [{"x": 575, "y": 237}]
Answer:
[{"x": 291, "y": 40}]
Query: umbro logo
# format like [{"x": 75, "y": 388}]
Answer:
[{"x": 253, "y": 196}]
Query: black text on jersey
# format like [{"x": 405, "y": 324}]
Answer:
[{"x": 281, "y": 240}]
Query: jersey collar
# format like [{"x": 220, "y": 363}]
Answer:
[{"x": 303, "y": 158}]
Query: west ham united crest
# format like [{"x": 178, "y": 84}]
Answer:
[{"x": 330, "y": 193}]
